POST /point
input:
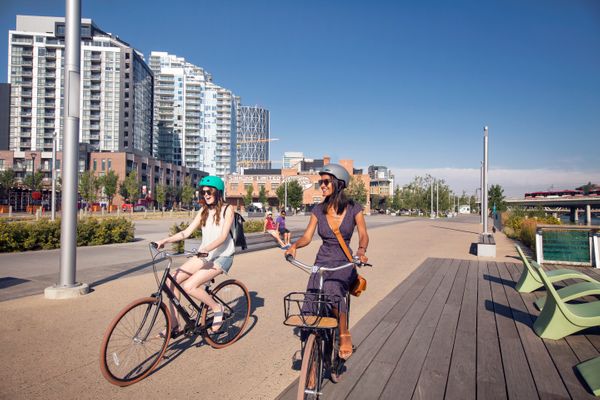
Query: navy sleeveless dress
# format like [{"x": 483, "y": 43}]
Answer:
[{"x": 336, "y": 283}]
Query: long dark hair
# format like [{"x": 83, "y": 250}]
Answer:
[
  {"x": 217, "y": 204},
  {"x": 337, "y": 199}
]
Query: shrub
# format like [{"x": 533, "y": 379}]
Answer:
[{"x": 45, "y": 234}]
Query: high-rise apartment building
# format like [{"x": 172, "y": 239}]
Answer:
[
  {"x": 253, "y": 138},
  {"x": 195, "y": 120},
  {"x": 116, "y": 88},
  {"x": 292, "y": 159}
]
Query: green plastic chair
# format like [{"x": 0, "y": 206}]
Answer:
[
  {"x": 590, "y": 371},
  {"x": 572, "y": 292},
  {"x": 529, "y": 280},
  {"x": 559, "y": 319}
]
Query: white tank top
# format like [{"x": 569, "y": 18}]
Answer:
[{"x": 211, "y": 231}]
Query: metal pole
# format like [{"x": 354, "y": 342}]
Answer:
[
  {"x": 437, "y": 199},
  {"x": 53, "y": 170},
  {"x": 485, "y": 184},
  {"x": 68, "y": 238},
  {"x": 431, "y": 207},
  {"x": 481, "y": 192}
]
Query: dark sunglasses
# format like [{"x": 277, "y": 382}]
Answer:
[
  {"x": 207, "y": 192},
  {"x": 325, "y": 182}
]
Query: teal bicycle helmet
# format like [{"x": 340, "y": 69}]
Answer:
[{"x": 212, "y": 181}]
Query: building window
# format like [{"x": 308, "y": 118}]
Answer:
[
  {"x": 246, "y": 186},
  {"x": 103, "y": 164},
  {"x": 95, "y": 165},
  {"x": 234, "y": 187},
  {"x": 109, "y": 164},
  {"x": 274, "y": 186},
  {"x": 317, "y": 186}
]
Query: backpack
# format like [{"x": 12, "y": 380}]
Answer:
[{"x": 237, "y": 230}]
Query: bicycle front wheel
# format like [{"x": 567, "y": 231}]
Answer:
[
  {"x": 311, "y": 371},
  {"x": 235, "y": 299},
  {"x": 135, "y": 342}
]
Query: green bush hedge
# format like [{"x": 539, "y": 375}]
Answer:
[
  {"x": 45, "y": 234},
  {"x": 521, "y": 225}
]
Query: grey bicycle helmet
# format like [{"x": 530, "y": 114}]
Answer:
[{"x": 338, "y": 171}]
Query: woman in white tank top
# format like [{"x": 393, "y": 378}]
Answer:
[{"x": 215, "y": 253}]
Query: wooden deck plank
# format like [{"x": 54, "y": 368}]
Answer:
[
  {"x": 490, "y": 373},
  {"x": 462, "y": 377},
  {"x": 519, "y": 381},
  {"x": 392, "y": 349},
  {"x": 434, "y": 374},
  {"x": 562, "y": 356},
  {"x": 405, "y": 375},
  {"x": 545, "y": 375},
  {"x": 417, "y": 279},
  {"x": 359, "y": 362}
]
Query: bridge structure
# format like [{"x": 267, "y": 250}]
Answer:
[{"x": 561, "y": 205}]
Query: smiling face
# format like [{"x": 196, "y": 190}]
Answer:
[
  {"x": 326, "y": 184},
  {"x": 208, "y": 194}
]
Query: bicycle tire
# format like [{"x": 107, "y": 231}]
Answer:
[
  {"x": 311, "y": 365},
  {"x": 124, "y": 357},
  {"x": 234, "y": 295}
]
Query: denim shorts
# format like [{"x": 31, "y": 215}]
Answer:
[{"x": 224, "y": 262}]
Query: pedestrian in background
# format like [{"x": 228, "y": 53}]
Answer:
[
  {"x": 270, "y": 228},
  {"x": 281, "y": 228}
]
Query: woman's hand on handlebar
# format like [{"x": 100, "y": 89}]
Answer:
[
  {"x": 360, "y": 253},
  {"x": 160, "y": 244},
  {"x": 291, "y": 251}
]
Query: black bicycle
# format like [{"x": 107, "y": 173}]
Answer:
[
  {"x": 312, "y": 311},
  {"x": 138, "y": 336}
]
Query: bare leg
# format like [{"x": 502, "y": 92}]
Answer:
[
  {"x": 277, "y": 238},
  {"x": 287, "y": 237},
  {"x": 181, "y": 275}
]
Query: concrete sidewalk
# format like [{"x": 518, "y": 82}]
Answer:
[{"x": 50, "y": 349}]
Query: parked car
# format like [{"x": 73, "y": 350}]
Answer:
[{"x": 139, "y": 207}]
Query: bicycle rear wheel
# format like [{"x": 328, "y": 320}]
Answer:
[
  {"x": 311, "y": 371},
  {"x": 133, "y": 344},
  {"x": 235, "y": 299}
]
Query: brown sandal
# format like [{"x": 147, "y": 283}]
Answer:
[{"x": 345, "y": 348}]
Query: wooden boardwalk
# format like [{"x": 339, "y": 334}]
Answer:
[{"x": 458, "y": 329}]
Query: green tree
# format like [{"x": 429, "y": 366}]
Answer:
[
  {"x": 496, "y": 197},
  {"x": 295, "y": 194},
  {"x": 262, "y": 196},
  {"x": 109, "y": 183},
  {"x": 187, "y": 192},
  {"x": 397, "y": 203},
  {"x": 248, "y": 196},
  {"x": 357, "y": 191},
  {"x": 7, "y": 180},
  {"x": 88, "y": 187},
  {"x": 130, "y": 187},
  {"x": 34, "y": 181},
  {"x": 161, "y": 195}
]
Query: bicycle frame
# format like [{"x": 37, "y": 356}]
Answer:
[{"x": 163, "y": 287}]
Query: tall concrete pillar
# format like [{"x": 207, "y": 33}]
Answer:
[
  {"x": 574, "y": 215},
  {"x": 588, "y": 214}
]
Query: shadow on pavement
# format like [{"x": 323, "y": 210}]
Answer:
[{"x": 120, "y": 274}]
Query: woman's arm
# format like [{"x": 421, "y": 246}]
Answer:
[
  {"x": 363, "y": 236},
  {"x": 228, "y": 221},
  {"x": 184, "y": 234},
  {"x": 306, "y": 237}
]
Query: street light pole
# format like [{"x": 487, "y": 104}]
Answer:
[
  {"x": 484, "y": 191},
  {"x": 437, "y": 199},
  {"x": 53, "y": 170},
  {"x": 67, "y": 287},
  {"x": 431, "y": 206}
]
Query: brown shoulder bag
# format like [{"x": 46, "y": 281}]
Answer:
[{"x": 360, "y": 284}]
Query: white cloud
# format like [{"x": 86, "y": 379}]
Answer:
[{"x": 515, "y": 182}]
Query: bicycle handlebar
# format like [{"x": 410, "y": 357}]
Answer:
[
  {"x": 315, "y": 268},
  {"x": 154, "y": 251}
]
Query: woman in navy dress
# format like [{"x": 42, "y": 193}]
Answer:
[{"x": 348, "y": 215}]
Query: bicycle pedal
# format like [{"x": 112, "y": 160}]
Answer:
[{"x": 297, "y": 356}]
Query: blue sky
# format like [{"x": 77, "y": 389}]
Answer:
[{"x": 408, "y": 85}]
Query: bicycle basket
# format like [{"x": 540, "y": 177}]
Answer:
[{"x": 310, "y": 310}]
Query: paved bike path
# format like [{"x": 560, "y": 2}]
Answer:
[{"x": 53, "y": 346}]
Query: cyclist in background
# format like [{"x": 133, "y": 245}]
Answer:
[
  {"x": 348, "y": 215},
  {"x": 215, "y": 221}
]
